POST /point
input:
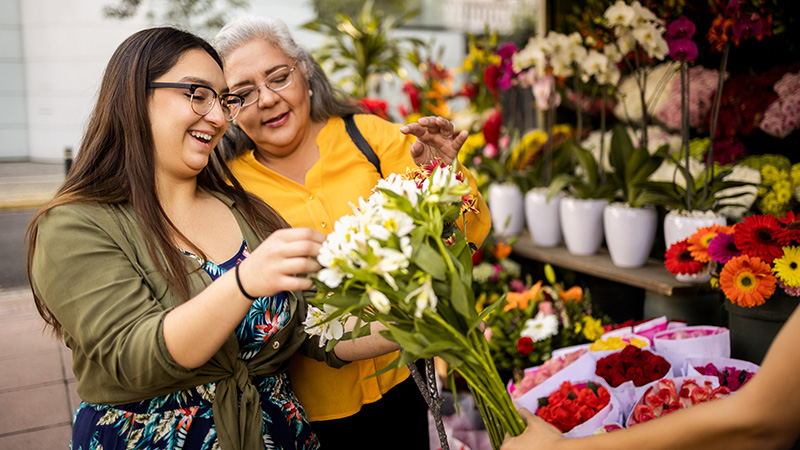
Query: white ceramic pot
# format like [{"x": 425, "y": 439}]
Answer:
[
  {"x": 507, "y": 209},
  {"x": 542, "y": 217},
  {"x": 582, "y": 224},
  {"x": 679, "y": 226},
  {"x": 629, "y": 233}
]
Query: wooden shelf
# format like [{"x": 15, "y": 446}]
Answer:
[{"x": 652, "y": 277}]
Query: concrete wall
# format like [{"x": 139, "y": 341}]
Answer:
[
  {"x": 53, "y": 54},
  {"x": 13, "y": 129},
  {"x": 66, "y": 45}
]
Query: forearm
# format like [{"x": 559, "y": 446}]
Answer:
[
  {"x": 726, "y": 424},
  {"x": 196, "y": 330},
  {"x": 365, "y": 347}
]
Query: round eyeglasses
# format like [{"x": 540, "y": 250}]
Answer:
[
  {"x": 276, "y": 80},
  {"x": 202, "y": 98}
]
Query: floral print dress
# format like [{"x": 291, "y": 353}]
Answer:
[{"x": 184, "y": 420}]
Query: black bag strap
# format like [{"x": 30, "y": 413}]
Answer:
[{"x": 361, "y": 143}]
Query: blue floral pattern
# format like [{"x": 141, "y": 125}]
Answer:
[{"x": 184, "y": 420}]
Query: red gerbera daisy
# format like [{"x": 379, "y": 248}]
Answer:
[
  {"x": 790, "y": 233},
  {"x": 679, "y": 259},
  {"x": 755, "y": 236}
]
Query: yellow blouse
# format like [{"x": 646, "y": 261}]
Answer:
[{"x": 340, "y": 176}]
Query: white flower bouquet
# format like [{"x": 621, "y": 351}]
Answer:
[{"x": 400, "y": 260}]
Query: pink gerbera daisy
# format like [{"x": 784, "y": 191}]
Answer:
[
  {"x": 722, "y": 248},
  {"x": 794, "y": 291}
]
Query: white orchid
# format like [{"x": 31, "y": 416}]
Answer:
[
  {"x": 651, "y": 38},
  {"x": 619, "y": 15}
]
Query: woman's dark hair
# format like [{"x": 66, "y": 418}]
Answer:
[{"x": 115, "y": 163}]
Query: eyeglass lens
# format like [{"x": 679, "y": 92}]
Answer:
[
  {"x": 203, "y": 101},
  {"x": 275, "y": 81}
]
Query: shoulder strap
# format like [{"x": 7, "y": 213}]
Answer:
[{"x": 361, "y": 143}]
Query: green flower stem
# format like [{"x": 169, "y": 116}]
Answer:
[
  {"x": 714, "y": 117},
  {"x": 447, "y": 257}
]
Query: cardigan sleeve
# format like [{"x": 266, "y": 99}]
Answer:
[{"x": 84, "y": 270}]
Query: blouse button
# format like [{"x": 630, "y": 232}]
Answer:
[
  {"x": 311, "y": 197},
  {"x": 324, "y": 225},
  {"x": 276, "y": 345}
]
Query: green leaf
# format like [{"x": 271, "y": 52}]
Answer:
[
  {"x": 460, "y": 300},
  {"x": 430, "y": 261}
]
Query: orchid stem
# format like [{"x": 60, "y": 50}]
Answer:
[{"x": 714, "y": 116}]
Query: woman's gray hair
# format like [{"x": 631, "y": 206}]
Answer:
[{"x": 327, "y": 101}]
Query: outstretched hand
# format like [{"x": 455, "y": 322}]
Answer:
[
  {"x": 436, "y": 138},
  {"x": 538, "y": 434}
]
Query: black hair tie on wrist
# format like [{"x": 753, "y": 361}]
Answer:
[{"x": 241, "y": 288}]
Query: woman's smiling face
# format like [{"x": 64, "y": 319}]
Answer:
[
  {"x": 184, "y": 139},
  {"x": 278, "y": 121}
]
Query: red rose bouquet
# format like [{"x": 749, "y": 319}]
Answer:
[
  {"x": 573, "y": 404},
  {"x": 632, "y": 364}
]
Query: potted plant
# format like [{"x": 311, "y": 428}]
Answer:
[
  {"x": 630, "y": 223},
  {"x": 581, "y": 211},
  {"x": 695, "y": 196},
  {"x": 542, "y": 211}
]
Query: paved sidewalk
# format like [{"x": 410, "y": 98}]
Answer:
[
  {"x": 37, "y": 388},
  {"x": 28, "y": 185}
]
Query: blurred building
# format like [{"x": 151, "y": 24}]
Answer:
[{"x": 53, "y": 54}]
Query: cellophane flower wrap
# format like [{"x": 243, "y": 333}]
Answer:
[{"x": 400, "y": 260}]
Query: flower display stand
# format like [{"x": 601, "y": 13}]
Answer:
[{"x": 753, "y": 329}]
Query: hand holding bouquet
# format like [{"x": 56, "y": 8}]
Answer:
[{"x": 400, "y": 260}]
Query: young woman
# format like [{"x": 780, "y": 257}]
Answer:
[
  {"x": 149, "y": 265},
  {"x": 299, "y": 154}
]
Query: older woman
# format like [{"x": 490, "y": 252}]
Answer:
[{"x": 310, "y": 153}]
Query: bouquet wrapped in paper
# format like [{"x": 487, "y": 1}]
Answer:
[
  {"x": 400, "y": 260},
  {"x": 671, "y": 394}
]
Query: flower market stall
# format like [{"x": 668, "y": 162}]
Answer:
[{"x": 663, "y": 161}]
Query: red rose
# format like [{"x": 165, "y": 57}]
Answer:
[{"x": 525, "y": 345}]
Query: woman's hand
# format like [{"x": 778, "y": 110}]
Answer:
[
  {"x": 435, "y": 139},
  {"x": 538, "y": 434},
  {"x": 272, "y": 267}
]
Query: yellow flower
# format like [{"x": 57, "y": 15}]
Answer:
[
  {"x": 470, "y": 147},
  {"x": 616, "y": 343},
  {"x": 591, "y": 328},
  {"x": 795, "y": 174},
  {"x": 769, "y": 175},
  {"x": 787, "y": 267}
]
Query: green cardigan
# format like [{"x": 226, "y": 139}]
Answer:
[{"x": 92, "y": 269}]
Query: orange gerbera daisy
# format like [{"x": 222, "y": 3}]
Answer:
[
  {"x": 521, "y": 299},
  {"x": 747, "y": 281},
  {"x": 698, "y": 242}
]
